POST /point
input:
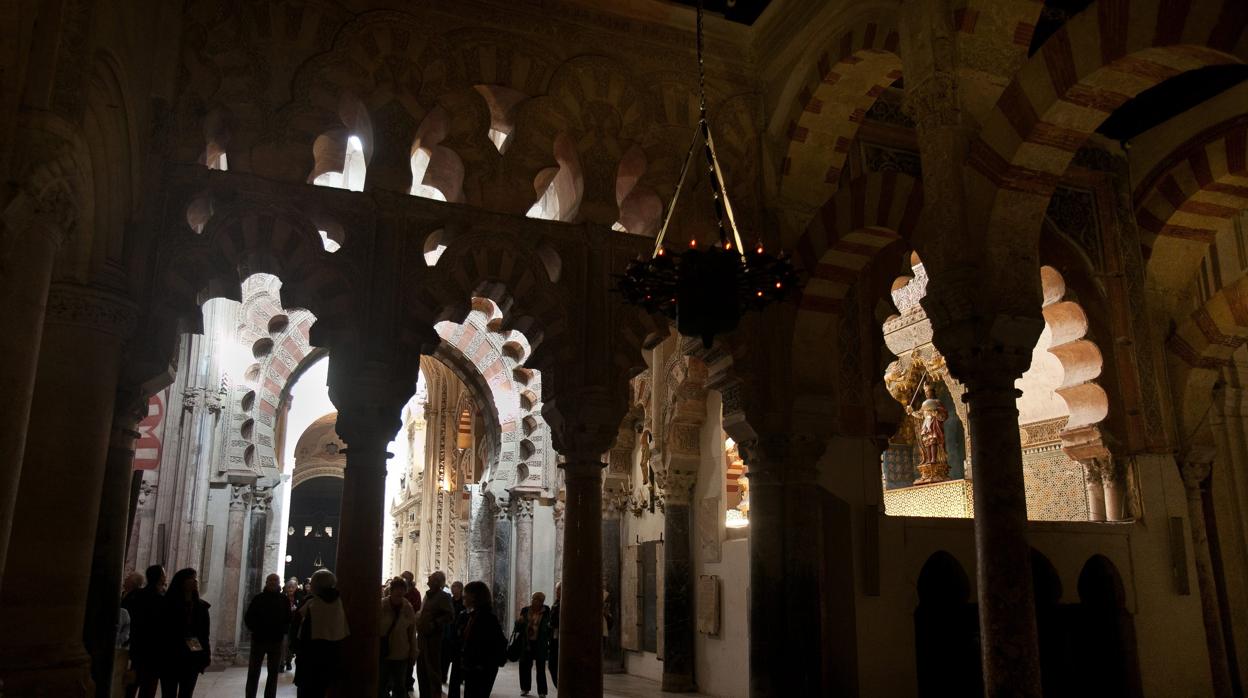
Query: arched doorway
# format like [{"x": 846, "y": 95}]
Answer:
[
  {"x": 946, "y": 630},
  {"x": 312, "y": 536},
  {"x": 315, "y": 499}
]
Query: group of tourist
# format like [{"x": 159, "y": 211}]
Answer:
[
  {"x": 441, "y": 638},
  {"x": 166, "y": 628}
]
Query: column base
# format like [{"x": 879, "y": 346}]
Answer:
[
  {"x": 58, "y": 671},
  {"x": 678, "y": 683}
]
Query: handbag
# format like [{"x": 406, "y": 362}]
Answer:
[{"x": 514, "y": 647}]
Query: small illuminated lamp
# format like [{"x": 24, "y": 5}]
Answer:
[{"x": 705, "y": 290}]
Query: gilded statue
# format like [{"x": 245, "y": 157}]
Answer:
[
  {"x": 905, "y": 379},
  {"x": 931, "y": 417}
]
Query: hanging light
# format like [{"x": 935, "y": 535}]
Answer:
[{"x": 705, "y": 289}]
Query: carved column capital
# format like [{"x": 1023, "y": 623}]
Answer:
[
  {"x": 790, "y": 457},
  {"x": 678, "y": 486},
  {"x": 522, "y": 508},
  {"x": 93, "y": 308},
  {"x": 261, "y": 500},
  {"x": 584, "y": 423},
  {"x": 147, "y": 490},
  {"x": 240, "y": 496},
  {"x": 501, "y": 511},
  {"x": 370, "y": 397},
  {"x": 933, "y": 101}
]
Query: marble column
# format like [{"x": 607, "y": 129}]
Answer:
[
  {"x": 557, "y": 513},
  {"x": 678, "y": 621},
  {"x": 370, "y": 399},
  {"x": 225, "y": 617},
  {"x": 112, "y": 525},
  {"x": 1113, "y": 480},
  {"x": 785, "y": 521},
  {"x": 1195, "y": 472},
  {"x": 33, "y": 240},
  {"x": 1007, "y": 620},
  {"x": 257, "y": 542},
  {"x": 612, "y": 653},
  {"x": 522, "y": 519},
  {"x": 58, "y": 497},
  {"x": 1095, "y": 489},
  {"x": 481, "y": 537},
  {"x": 502, "y": 561},
  {"x": 580, "y": 622}
]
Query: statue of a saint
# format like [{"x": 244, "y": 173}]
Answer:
[{"x": 933, "y": 459}]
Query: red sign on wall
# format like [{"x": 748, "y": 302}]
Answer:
[{"x": 147, "y": 447}]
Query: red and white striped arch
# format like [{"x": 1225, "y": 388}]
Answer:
[
  {"x": 1095, "y": 63},
  {"x": 843, "y": 80}
]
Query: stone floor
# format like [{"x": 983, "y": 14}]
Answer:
[{"x": 230, "y": 684}]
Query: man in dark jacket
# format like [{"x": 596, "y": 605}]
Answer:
[
  {"x": 268, "y": 619},
  {"x": 144, "y": 606}
]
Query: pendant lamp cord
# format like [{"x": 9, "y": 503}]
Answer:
[{"x": 724, "y": 216}]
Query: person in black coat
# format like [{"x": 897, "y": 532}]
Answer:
[
  {"x": 533, "y": 631},
  {"x": 145, "y": 606},
  {"x": 185, "y": 651},
  {"x": 268, "y": 619},
  {"x": 483, "y": 647}
]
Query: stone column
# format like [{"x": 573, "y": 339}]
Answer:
[
  {"x": 1007, "y": 620},
  {"x": 1095, "y": 490},
  {"x": 225, "y": 617},
  {"x": 557, "y": 512},
  {"x": 678, "y": 619},
  {"x": 1113, "y": 480},
  {"x": 58, "y": 497},
  {"x": 1195, "y": 472},
  {"x": 522, "y": 519},
  {"x": 502, "y": 561},
  {"x": 481, "y": 537},
  {"x": 33, "y": 237},
  {"x": 257, "y": 542},
  {"x": 112, "y": 525},
  {"x": 612, "y": 653},
  {"x": 580, "y": 622},
  {"x": 785, "y": 521},
  {"x": 370, "y": 399}
]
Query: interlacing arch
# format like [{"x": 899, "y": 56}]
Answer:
[
  {"x": 1193, "y": 193},
  {"x": 845, "y": 78},
  {"x": 1095, "y": 63},
  {"x": 236, "y": 242},
  {"x": 481, "y": 264}
]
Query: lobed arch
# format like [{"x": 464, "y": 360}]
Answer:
[
  {"x": 238, "y": 241},
  {"x": 496, "y": 267},
  {"x": 1093, "y": 64},
  {"x": 840, "y": 83},
  {"x": 1082, "y": 364},
  {"x": 599, "y": 107}
]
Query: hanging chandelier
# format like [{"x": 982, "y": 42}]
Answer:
[{"x": 706, "y": 289}]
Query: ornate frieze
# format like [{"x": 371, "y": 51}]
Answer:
[{"x": 84, "y": 306}]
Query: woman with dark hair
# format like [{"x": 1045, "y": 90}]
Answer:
[
  {"x": 184, "y": 636},
  {"x": 483, "y": 648}
]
